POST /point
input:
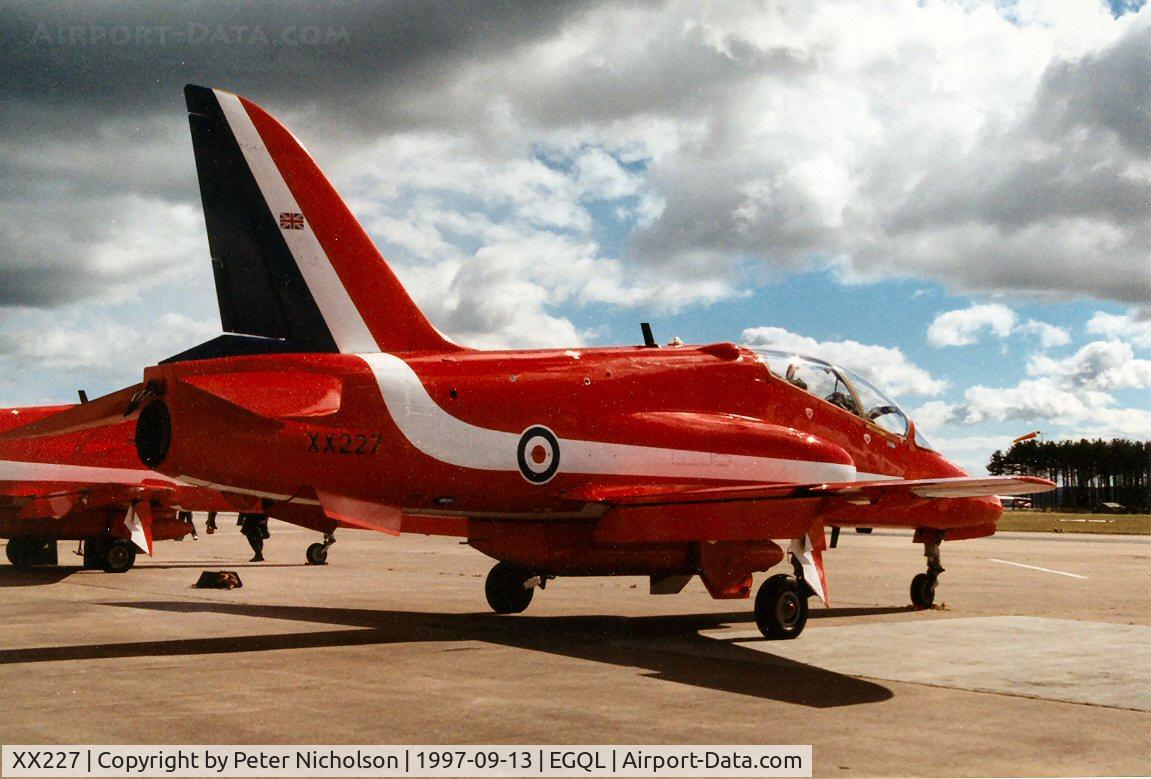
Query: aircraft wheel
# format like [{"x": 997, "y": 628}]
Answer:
[
  {"x": 923, "y": 590},
  {"x": 119, "y": 556},
  {"x": 317, "y": 554},
  {"x": 864, "y": 530},
  {"x": 19, "y": 552},
  {"x": 27, "y": 552},
  {"x": 505, "y": 589},
  {"x": 780, "y": 608}
]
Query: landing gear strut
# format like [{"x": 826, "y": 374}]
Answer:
[
  {"x": 317, "y": 554},
  {"x": 923, "y": 584},
  {"x": 781, "y": 607},
  {"x": 509, "y": 589}
]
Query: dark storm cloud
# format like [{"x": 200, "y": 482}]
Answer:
[
  {"x": 91, "y": 130},
  {"x": 105, "y": 57},
  {"x": 1071, "y": 96}
]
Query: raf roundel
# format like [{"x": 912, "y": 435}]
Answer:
[{"x": 538, "y": 454}]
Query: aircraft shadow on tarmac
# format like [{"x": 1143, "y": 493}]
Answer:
[
  {"x": 11, "y": 576},
  {"x": 670, "y": 648}
]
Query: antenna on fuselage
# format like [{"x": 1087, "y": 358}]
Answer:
[
  {"x": 83, "y": 396},
  {"x": 648, "y": 338}
]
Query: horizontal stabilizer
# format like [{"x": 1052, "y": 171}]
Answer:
[
  {"x": 275, "y": 394},
  {"x": 208, "y": 403},
  {"x": 108, "y": 410}
]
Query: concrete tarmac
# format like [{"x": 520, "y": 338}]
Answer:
[{"x": 1035, "y": 662}]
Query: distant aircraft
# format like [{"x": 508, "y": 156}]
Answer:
[
  {"x": 333, "y": 399},
  {"x": 87, "y": 486}
]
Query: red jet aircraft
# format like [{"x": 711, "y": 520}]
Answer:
[
  {"x": 334, "y": 400},
  {"x": 87, "y": 486}
]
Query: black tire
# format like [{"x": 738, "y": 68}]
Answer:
[
  {"x": 923, "y": 590},
  {"x": 119, "y": 557},
  {"x": 780, "y": 608},
  {"x": 317, "y": 554},
  {"x": 505, "y": 589},
  {"x": 27, "y": 552},
  {"x": 864, "y": 530},
  {"x": 19, "y": 552}
]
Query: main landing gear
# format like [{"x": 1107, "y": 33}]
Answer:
[
  {"x": 26, "y": 552},
  {"x": 112, "y": 555},
  {"x": 509, "y": 589},
  {"x": 317, "y": 554},
  {"x": 923, "y": 584},
  {"x": 781, "y": 607}
]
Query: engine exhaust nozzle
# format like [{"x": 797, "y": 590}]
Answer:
[{"x": 154, "y": 434}]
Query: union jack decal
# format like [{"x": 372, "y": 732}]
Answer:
[{"x": 291, "y": 221}]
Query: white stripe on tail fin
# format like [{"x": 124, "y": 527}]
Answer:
[{"x": 291, "y": 261}]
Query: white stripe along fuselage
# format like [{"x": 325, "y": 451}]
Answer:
[{"x": 448, "y": 439}]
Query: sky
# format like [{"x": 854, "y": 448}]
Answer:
[{"x": 953, "y": 198}]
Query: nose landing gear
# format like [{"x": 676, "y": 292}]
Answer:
[
  {"x": 317, "y": 554},
  {"x": 923, "y": 584}
]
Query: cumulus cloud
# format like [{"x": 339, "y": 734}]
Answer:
[
  {"x": 1049, "y": 335},
  {"x": 1050, "y": 400},
  {"x": 964, "y": 326},
  {"x": 886, "y": 367},
  {"x": 1132, "y": 326},
  {"x": 961, "y": 327},
  {"x": 1098, "y": 365},
  {"x": 99, "y": 345},
  {"x": 988, "y": 147},
  {"x": 520, "y": 161},
  {"x": 1031, "y": 399}
]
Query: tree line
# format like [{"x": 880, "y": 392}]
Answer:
[{"x": 1089, "y": 473}]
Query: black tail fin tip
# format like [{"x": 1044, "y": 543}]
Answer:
[{"x": 259, "y": 287}]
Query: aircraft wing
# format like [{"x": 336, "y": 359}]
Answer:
[
  {"x": 747, "y": 512},
  {"x": 48, "y": 506},
  {"x": 109, "y": 409},
  {"x": 947, "y": 487}
]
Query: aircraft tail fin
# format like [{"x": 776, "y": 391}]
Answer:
[{"x": 290, "y": 260}]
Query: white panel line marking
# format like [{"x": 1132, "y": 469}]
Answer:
[
  {"x": 1037, "y": 568},
  {"x": 20, "y": 470}
]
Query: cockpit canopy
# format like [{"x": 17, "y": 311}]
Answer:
[{"x": 839, "y": 387}]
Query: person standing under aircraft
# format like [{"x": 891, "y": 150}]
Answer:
[
  {"x": 255, "y": 529},
  {"x": 186, "y": 518}
]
